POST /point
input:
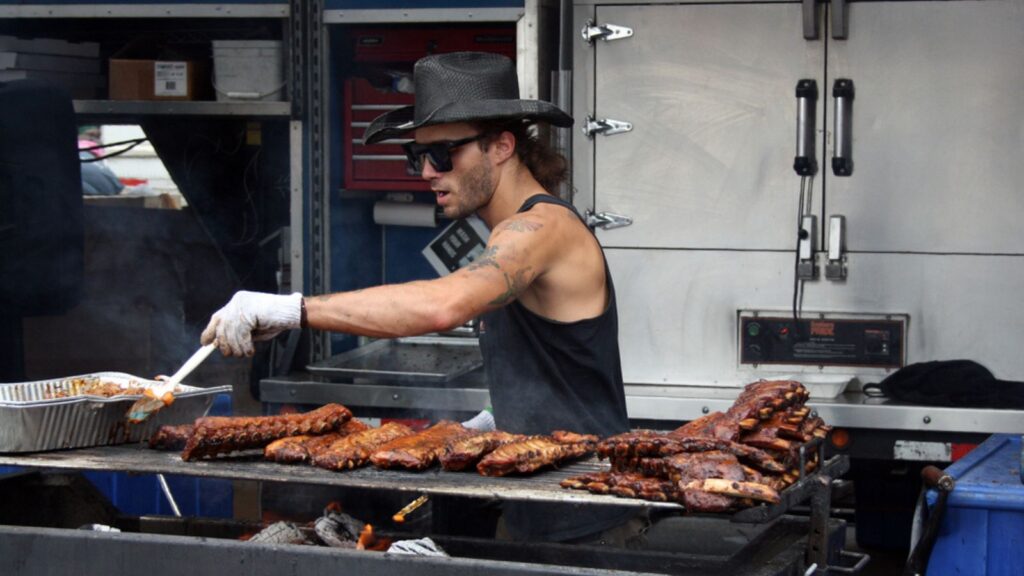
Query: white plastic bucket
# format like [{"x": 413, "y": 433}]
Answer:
[{"x": 248, "y": 70}]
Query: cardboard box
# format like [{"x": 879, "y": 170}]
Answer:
[{"x": 158, "y": 80}]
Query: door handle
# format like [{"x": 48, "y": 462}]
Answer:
[
  {"x": 842, "y": 154},
  {"x": 840, "y": 17},
  {"x": 811, "y": 17},
  {"x": 805, "y": 163}
]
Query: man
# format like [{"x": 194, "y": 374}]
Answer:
[{"x": 549, "y": 334}]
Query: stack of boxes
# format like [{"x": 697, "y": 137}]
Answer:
[{"x": 74, "y": 66}]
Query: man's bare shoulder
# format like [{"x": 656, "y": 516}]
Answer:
[
  {"x": 543, "y": 219},
  {"x": 524, "y": 223}
]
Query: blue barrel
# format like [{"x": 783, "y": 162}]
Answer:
[{"x": 982, "y": 530}]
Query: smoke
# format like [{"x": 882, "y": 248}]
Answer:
[{"x": 151, "y": 282}]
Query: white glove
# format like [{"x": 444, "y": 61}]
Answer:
[
  {"x": 419, "y": 547},
  {"x": 252, "y": 316},
  {"x": 484, "y": 422}
]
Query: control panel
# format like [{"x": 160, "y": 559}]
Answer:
[{"x": 822, "y": 339}]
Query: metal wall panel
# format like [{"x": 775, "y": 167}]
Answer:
[
  {"x": 677, "y": 308},
  {"x": 710, "y": 91},
  {"x": 582, "y": 157},
  {"x": 937, "y": 126}
]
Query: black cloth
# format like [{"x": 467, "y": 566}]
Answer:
[
  {"x": 950, "y": 383},
  {"x": 41, "y": 222},
  {"x": 546, "y": 375}
]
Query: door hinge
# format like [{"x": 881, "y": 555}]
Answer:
[
  {"x": 605, "y": 32},
  {"x": 605, "y": 126},
  {"x": 607, "y": 220}
]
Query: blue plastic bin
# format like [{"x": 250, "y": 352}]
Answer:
[
  {"x": 982, "y": 531},
  {"x": 140, "y": 494}
]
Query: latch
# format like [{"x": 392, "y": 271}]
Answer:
[
  {"x": 807, "y": 268},
  {"x": 835, "y": 269},
  {"x": 606, "y": 126},
  {"x": 605, "y": 32},
  {"x": 607, "y": 220}
]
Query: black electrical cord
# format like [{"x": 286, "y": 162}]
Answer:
[
  {"x": 801, "y": 235},
  {"x": 131, "y": 144}
]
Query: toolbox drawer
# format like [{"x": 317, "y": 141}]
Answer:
[{"x": 392, "y": 51}]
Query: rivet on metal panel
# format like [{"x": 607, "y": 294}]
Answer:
[
  {"x": 927, "y": 419},
  {"x": 705, "y": 410},
  {"x": 394, "y": 396}
]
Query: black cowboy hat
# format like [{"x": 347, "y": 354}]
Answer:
[{"x": 463, "y": 87}]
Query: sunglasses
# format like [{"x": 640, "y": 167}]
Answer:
[{"x": 438, "y": 153}]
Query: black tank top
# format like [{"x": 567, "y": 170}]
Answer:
[{"x": 547, "y": 375}]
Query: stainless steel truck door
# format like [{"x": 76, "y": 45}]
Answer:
[
  {"x": 937, "y": 126},
  {"x": 709, "y": 90}
]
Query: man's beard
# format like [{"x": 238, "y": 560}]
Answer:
[{"x": 474, "y": 191}]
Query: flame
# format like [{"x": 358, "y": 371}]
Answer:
[
  {"x": 365, "y": 537},
  {"x": 369, "y": 541}
]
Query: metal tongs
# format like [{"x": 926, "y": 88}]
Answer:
[{"x": 162, "y": 394}]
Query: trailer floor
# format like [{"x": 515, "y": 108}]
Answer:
[{"x": 883, "y": 562}]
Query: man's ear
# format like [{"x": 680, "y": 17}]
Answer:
[{"x": 503, "y": 147}]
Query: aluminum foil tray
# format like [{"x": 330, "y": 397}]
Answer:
[{"x": 30, "y": 421}]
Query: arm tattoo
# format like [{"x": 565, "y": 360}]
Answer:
[
  {"x": 486, "y": 258},
  {"x": 523, "y": 226},
  {"x": 514, "y": 286}
]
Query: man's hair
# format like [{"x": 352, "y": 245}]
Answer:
[{"x": 548, "y": 167}]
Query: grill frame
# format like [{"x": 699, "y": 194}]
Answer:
[
  {"x": 539, "y": 487},
  {"x": 815, "y": 543}
]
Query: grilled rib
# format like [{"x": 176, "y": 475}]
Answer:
[
  {"x": 566, "y": 437},
  {"x": 756, "y": 457},
  {"x": 355, "y": 450},
  {"x": 624, "y": 484},
  {"x": 294, "y": 449},
  {"x": 736, "y": 489},
  {"x": 291, "y": 449},
  {"x": 634, "y": 443},
  {"x": 418, "y": 451},
  {"x": 717, "y": 425},
  {"x": 171, "y": 437},
  {"x": 700, "y": 501},
  {"x": 464, "y": 452},
  {"x": 215, "y": 435},
  {"x": 759, "y": 400},
  {"x": 688, "y": 466},
  {"x": 529, "y": 455}
]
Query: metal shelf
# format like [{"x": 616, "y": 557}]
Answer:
[
  {"x": 181, "y": 108},
  {"x": 422, "y": 15},
  {"x": 135, "y": 10}
]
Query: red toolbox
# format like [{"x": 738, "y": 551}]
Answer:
[{"x": 382, "y": 166}]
